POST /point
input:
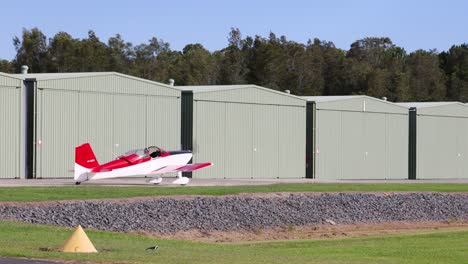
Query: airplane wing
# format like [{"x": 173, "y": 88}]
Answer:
[
  {"x": 97, "y": 170},
  {"x": 182, "y": 168}
]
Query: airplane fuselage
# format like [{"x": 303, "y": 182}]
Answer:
[{"x": 126, "y": 166}]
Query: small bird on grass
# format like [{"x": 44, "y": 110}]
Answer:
[{"x": 153, "y": 247}]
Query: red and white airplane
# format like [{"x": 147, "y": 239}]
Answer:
[{"x": 150, "y": 161}]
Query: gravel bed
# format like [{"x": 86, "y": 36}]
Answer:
[{"x": 235, "y": 213}]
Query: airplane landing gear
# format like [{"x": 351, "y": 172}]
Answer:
[{"x": 157, "y": 180}]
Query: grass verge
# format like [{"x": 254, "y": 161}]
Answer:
[
  {"x": 23, "y": 194},
  {"x": 38, "y": 241}
]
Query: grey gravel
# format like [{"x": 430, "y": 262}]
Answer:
[{"x": 233, "y": 213}]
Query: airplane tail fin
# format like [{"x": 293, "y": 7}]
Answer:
[{"x": 85, "y": 161}]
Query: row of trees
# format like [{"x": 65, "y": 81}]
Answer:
[{"x": 372, "y": 66}]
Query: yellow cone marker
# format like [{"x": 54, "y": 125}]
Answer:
[{"x": 78, "y": 242}]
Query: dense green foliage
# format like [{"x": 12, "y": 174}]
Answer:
[
  {"x": 42, "y": 193},
  {"x": 372, "y": 66},
  {"x": 38, "y": 241}
]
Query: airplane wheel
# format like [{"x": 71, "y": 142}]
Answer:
[
  {"x": 155, "y": 181},
  {"x": 77, "y": 183}
]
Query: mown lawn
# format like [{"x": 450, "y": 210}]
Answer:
[
  {"x": 97, "y": 192},
  {"x": 38, "y": 241}
]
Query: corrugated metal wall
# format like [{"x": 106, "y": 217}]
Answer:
[
  {"x": 291, "y": 141},
  {"x": 328, "y": 161},
  {"x": 356, "y": 144},
  {"x": 113, "y": 119},
  {"x": 442, "y": 142},
  {"x": 262, "y": 137},
  {"x": 209, "y": 145},
  {"x": 10, "y": 109},
  {"x": 265, "y": 131}
]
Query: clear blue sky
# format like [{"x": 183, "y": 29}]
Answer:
[{"x": 410, "y": 24}]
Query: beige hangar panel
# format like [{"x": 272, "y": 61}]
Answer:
[
  {"x": 10, "y": 126},
  {"x": 439, "y": 139},
  {"x": 327, "y": 163},
  {"x": 291, "y": 141},
  {"x": 210, "y": 144},
  {"x": 265, "y": 131},
  {"x": 357, "y": 137},
  {"x": 247, "y": 131},
  {"x": 111, "y": 111}
]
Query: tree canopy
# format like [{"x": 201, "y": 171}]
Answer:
[{"x": 373, "y": 66}]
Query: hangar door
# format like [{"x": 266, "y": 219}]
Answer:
[
  {"x": 442, "y": 147},
  {"x": 10, "y": 100},
  {"x": 249, "y": 140},
  {"x": 361, "y": 145},
  {"x": 111, "y": 123}
]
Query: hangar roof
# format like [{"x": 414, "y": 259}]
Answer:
[
  {"x": 425, "y": 104},
  {"x": 357, "y": 103},
  {"x": 217, "y": 88},
  {"x": 247, "y": 93},
  {"x": 447, "y": 109},
  {"x": 331, "y": 98},
  {"x": 9, "y": 80},
  {"x": 54, "y": 76},
  {"x": 67, "y": 75},
  {"x": 105, "y": 82},
  {"x": 8, "y": 75},
  {"x": 212, "y": 88}
]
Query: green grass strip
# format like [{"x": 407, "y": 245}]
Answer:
[
  {"x": 23, "y": 194},
  {"x": 39, "y": 241}
]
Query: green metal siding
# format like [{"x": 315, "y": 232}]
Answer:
[
  {"x": 10, "y": 111},
  {"x": 328, "y": 160},
  {"x": 59, "y": 134},
  {"x": 238, "y": 146},
  {"x": 249, "y": 140},
  {"x": 442, "y": 142},
  {"x": 357, "y": 144},
  {"x": 129, "y": 122},
  {"x": 209, "y": 140},
  {"x": 96, "y": 125},
  {"x": 111, "y": 122},
  {"x": 375, "y": 148},
  {"x": 163, "y": 124},
  {"x": 266, "y": 162},
  {"x": 352, "y": 147},
  {"x": 442, "y": 147},
  {"x": 397, "y": 146},
  {"x": 462, "y": 144},
  {"x": 291, "y": 141}
]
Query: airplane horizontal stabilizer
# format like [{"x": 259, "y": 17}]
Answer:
[{"x": 182, "y": 168}]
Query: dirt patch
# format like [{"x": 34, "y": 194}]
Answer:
[{"x": 313, "y": 232}]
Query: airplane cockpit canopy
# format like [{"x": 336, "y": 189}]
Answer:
[
  {"x": 139, "y": 152},
  {"x": 151, "y": 151},
  {"x": 154, "y": 151}
]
